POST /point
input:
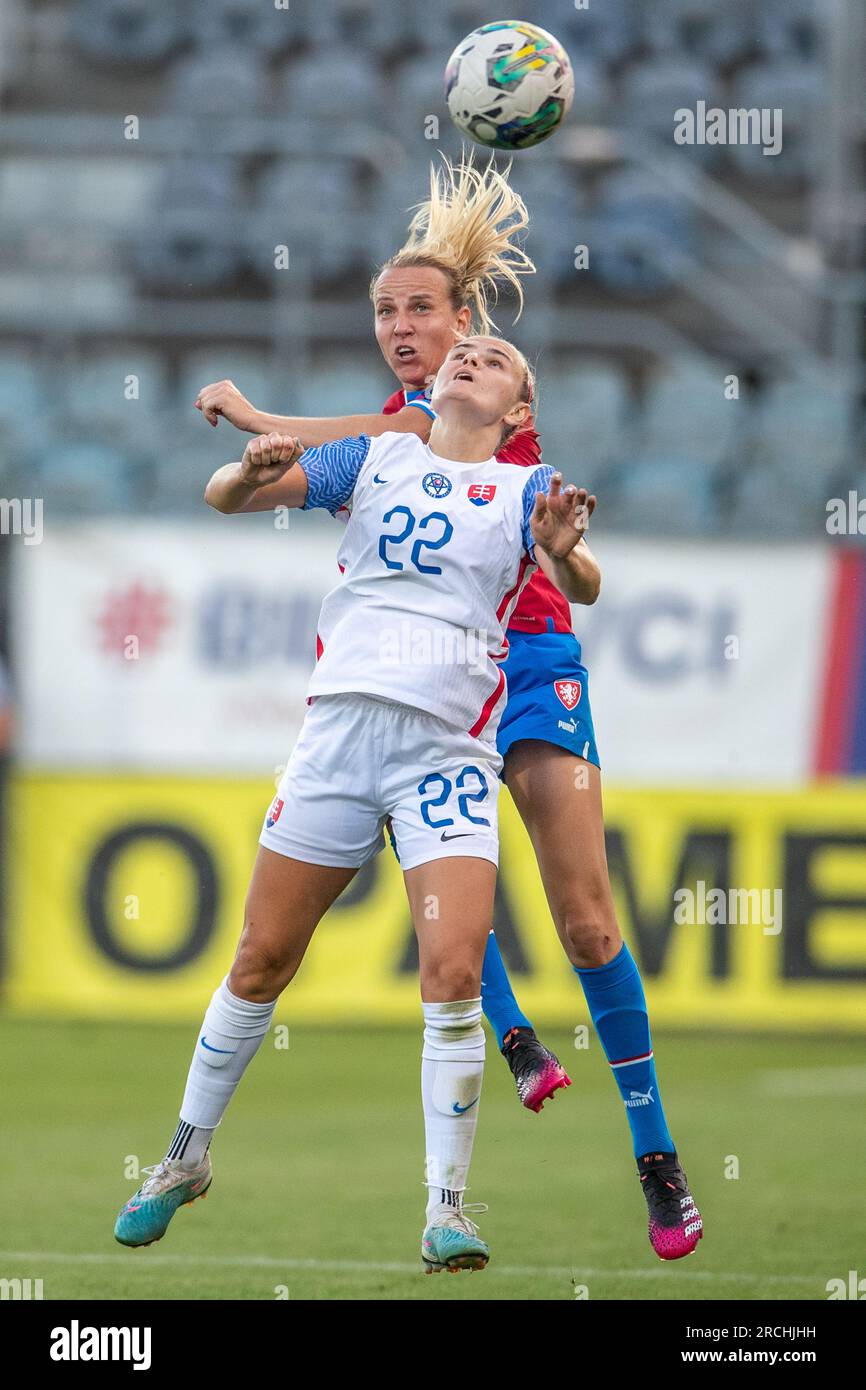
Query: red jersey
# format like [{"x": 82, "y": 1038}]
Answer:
[{"x": 540, "y": 599}]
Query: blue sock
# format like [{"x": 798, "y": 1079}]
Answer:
[
  {"x": 497, "y": 996},
  {"x": 617, "y": 1005}
]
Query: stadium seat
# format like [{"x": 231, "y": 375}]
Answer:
[
  {"x": 798, "y": 89},
  {"x": 211, "y": 184},
  {"x": 12, "y": 468},
  {"x": 34, "y": 186},
  {"x": 583, "y": 412},
  {"x": 294, "y": 187},
  {"x": 330, "y": 85},
  {"x": 25, "y": 395},
  {"x": 223, "y": 81},
  {"x": 607, "y": 33},
  {"x": 766, "y": 503},
  {"x": 719, "y": 34},
  {"x": 13, "y": 40},
  {"x": 394, "y": 196},
  {"x": 592, "y": 90},
  {"x": 96, "y": 390},
  {"x": 791, "y": 28},
  {"x": 126, "y": 32},
  {"x": 39, "y": 191},
  {"x": 653, "y": 90},
  {"x": 313, "y": 207},
  {"x": 344, "y": 383},
  {"x": 191, "y": 241},
  {"x": 556, "y": 205},
  {"x": 250, "y": 370},
  {"x": 247, "y": 24},
  {"x": 367, "y": 23},
  {"x": 465, "y": 15},
  {"x": 681, "y": 436},
  {"x": 639, "y": 234},
  {"x": 686, "y": 415},
  {"x": 666, "y": 496},
  {"x": 803, "y": 441},
  {"x": 186, "y": 250},
  {"x": 185, "y": 453},
  {"x": 803, "y": 424},
  {"x": 419, "y": 93},
  {"x": 86, "y": 477}
]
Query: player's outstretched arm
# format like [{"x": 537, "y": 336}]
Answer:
[
  {"x": 265, "y": 478},
  {"x": 558, "y": 522},
  {"x": 222, "y": 399}
]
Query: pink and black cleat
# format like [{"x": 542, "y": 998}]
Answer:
[
  {"x": 675, "y": 1224},
  {"x": 536, "y": 1070}
]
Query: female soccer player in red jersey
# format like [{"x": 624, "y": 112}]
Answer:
[{"x": 461, "y": 246}]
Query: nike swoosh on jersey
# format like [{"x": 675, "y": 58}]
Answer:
[
  {"x": 377, "y": 479},
  {"x": 464, "y": 835}
]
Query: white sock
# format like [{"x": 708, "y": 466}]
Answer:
[
  {"x": 227, "y": 1041},
  {"x": 190, "y": 1144},
  {"x": 452, "y": 1068}
]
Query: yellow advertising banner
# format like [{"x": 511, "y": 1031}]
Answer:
[{"x": 745, "y": 910}]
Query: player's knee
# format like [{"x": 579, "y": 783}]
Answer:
[
  {"x": 258, "y": 973},
  {"x": 589, "y": 926},
  {"x": 451, "y": 979}
]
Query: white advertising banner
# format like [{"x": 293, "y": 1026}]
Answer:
[
  {"x": 169, "y": 647},
  {"x": 189, "y": 646},
  {"x": 706, "y": 660}
]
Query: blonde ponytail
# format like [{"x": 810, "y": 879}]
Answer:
[{"x": 467, "y": 229}]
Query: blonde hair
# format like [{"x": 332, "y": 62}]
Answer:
[{"x": 467, "y": 229}]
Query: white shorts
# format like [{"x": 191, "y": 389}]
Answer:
[{"x": 360, "y": 759}]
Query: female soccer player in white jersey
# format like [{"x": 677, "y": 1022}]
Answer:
[
  {"x": 460, "y": 245},
  {"x": 386, "y": 738}
]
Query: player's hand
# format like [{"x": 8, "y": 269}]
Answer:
[
  {"x": 224, "y": 398},
  {"x": 268, "y": 457},
  {"x": 560, "y": 517}
]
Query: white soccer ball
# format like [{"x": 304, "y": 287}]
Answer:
[{"x": 509, "y": 84}]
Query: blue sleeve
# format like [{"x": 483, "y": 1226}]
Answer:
[
  {"x": 422, "y": 400},
  {"x": 539, "y": 481},
  {"x": 332, "y": 472}
]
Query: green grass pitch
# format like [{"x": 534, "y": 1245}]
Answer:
[{"x": 317, "y": 1170}]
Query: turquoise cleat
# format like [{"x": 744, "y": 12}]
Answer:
[
  {"x": 146, "y": 1215},
  {"x": 451, "y": 1241}
]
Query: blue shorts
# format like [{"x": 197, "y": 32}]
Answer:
[{"x": 548, "y": 694}]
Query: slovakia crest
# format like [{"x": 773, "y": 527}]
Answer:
[
  {"x": 274, "y": 812},
  {"x": 436, "y": 484},
  {"x": 568, "y": 692},
  {"x": 481, "y": 493}
]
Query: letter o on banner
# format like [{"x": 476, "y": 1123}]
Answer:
[{"x": 207, "y": 895}]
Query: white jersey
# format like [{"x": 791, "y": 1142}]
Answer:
[{"x": 434, "y": 556}]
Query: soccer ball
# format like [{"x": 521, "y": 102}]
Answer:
[{"x": 509, "y": 84}]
